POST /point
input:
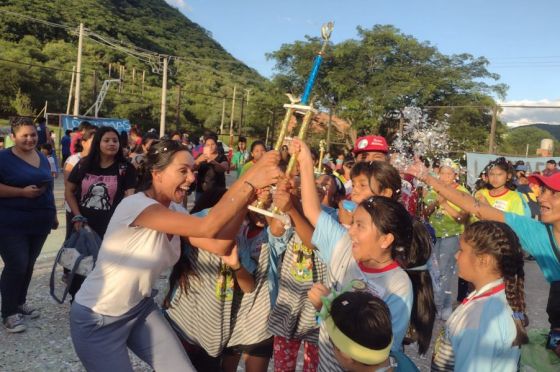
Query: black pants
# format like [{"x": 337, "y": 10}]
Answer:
[
  {"x": 19, "y": 253},
  {"x": 553, "y": 305}
]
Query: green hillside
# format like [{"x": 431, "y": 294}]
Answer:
[{"x": 37, "y": 58}]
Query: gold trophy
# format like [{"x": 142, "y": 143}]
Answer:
[{"x": 301, "y": 107}]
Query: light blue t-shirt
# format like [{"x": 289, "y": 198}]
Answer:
[
  {"x": 534, "y": 239},
  {"x": 391, "y": 284},
  {"x": 480, "y": 332}
]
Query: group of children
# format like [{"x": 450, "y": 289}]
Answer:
[
  {"x": 350, "y": 281},
  {"x": 351, "y": 277}
]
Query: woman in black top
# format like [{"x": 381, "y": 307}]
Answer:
[{"x": 211, "y": 167}]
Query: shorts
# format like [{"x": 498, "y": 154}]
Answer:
[{"x": 261, "y": 349}]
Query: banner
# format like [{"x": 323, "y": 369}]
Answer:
[
  {"x": 476, "y": 163},
  {"x": 71, "y": 122}
]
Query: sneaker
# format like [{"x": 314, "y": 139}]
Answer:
[
  {"x": 28, "y": 311},
  {"x": 14, "y": 323}
]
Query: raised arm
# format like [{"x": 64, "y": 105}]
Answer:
[
  {"x": 463, "y": 200},
  {"x": 310, "y": 200},
  {"x": 160, "y": 218}
]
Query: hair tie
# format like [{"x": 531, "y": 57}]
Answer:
[{"x": 519, "y": 315}]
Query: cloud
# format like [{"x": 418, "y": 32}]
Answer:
[
  {"x": 180, "y": 4},
  {"x": 515, "y": 117}
]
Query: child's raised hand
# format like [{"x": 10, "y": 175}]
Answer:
[
  {"x": 315, "y": 293},
  {"x": 265, "y": 172},
  {"x": 300, "y": 149}
]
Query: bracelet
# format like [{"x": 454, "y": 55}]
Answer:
[
  {"x": 235, "y": 270},
  {"x": 251, "y": 185},
  {"x": 79, "y": 218}
]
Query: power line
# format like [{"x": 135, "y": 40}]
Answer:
[{"x": 39, "y": 66}]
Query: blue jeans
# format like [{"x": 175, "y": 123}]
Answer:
[
  {"x": 102, "y": 341},
  {"x": 445, "y": 250},
  {"x": 19, "y": 253}
]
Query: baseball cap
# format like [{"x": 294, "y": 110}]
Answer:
[
  {"x": 552, "y": 182},
  {"x": 371, "y": 143}
]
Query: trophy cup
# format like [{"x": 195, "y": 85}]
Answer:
[{"x": 301, "y": 107}]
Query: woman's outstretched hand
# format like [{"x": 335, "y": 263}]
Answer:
[{"x": 265, "y": 172}]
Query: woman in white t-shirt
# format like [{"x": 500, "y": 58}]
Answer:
[{"x": 114, "y": 309}]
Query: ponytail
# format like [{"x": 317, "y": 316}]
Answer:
[
  {"x": 411, "y": 248},
  {"x": 415, "y": 263}
]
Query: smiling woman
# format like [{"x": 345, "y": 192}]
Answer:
[
  {"x": 115, "y": 307},
  {"x": 27, "y": 214}
]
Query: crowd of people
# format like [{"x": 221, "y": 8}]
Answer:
[{"x": 358, "y": 276}]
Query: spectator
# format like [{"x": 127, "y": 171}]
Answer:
[
  {"x": 211, "y": 166},
  {"x": 47, "y": 150},
  {"x": 240, "y": 156},
  {"x": 27, "y": 214},
  {"x": 65, "y": 145},
  {"x": 42, "y": 131},
  {"x": 550, "y": 168}
]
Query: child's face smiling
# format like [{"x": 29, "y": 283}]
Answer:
[{"x": 367, "y": 241}]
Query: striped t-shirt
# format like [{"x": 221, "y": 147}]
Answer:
[{"x": 293, "y": 315}]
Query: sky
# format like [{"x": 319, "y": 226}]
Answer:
[{"x": 520, "y": 38}]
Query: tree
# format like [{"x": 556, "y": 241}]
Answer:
[{"x": 370, "y": 80}]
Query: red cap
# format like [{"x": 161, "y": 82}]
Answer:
[
  {"x": 552, "y": 182},
  {"x": 371, "y": 143}
]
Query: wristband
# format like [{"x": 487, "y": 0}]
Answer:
[
  {"x": 79, "y": 218},
  {"x": 235, "y": 270}
]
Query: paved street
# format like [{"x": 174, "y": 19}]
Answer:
[{"x": 46, "y": 345}]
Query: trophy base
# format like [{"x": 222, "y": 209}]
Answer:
[{"x": 281, "y": 217}]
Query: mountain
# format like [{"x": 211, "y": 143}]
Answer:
[
  {"x": 38, "y": 40},
  {"x": 553, "y": 129}
]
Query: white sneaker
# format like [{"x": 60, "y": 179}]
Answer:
[{"x": 14, "y": 323}]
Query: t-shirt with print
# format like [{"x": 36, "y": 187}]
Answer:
[
  {"x": 391, "y": 283},
  {"x": 238, "y": 160},
  {"x": 130, "y": 260},
  {"x": 534, "y": 239},
  {"x": 100, "y": 190},
  {"x": 508, "y": 201},
  {"x": 443, "y": 224}
]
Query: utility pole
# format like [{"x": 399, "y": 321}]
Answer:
[
  {"x": 232, "y": 116},
  {"x": 178, "y": 107},
  {"x": 241, "y": 117},
  {"x": 248, "y": 91},
  {"x": 94, "y": 83},
  {"x": 143, "y": 78},
  {"x": 329, "y": 126},
  {"x": 70, "y": 90},
  {"x": 491, "y": 145},
  {"x": 78, "y": 71},
  {"x": 223, "y": 116},
  {"x": 163, "y": 97}
]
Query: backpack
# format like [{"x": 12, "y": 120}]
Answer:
[{"x": 77, "y": 254}]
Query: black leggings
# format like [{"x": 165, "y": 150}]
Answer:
[{"x": 553, "y": 305}]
